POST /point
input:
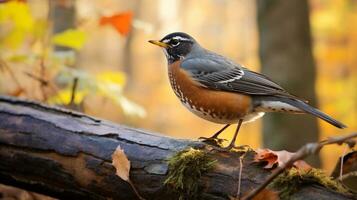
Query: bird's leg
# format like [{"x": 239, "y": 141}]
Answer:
[
  {"x": 218, "y": 132},
  {"x": 214, "y": 138},
  {"x": 231, "y": 145}
]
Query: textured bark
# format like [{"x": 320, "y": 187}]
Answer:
[
  {"x": 286, "y": 57},
  {"x": 68, "y": 155}
]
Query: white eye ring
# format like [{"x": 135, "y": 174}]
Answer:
[{"x": 174, "y": 42}]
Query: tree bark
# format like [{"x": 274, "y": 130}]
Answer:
[
  {"x": 67, "y": 155},
  {"x": 286, "y": 57}
]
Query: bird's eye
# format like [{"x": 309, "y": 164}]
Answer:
[{"x": 174, "y": 42}]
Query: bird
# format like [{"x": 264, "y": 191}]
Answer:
[{"x": 221, "y": 91}]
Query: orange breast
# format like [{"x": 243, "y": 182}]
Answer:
[{"x": 216, "y": 106}]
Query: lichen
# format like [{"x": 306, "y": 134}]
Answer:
[
  {"x": 185, "y": 170},
  {"x": 293, "y": 179}
]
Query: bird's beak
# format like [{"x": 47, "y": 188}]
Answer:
[{"x": 158, "y": 43}]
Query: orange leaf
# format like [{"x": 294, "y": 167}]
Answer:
[
  {"x": 266, "y": 155},
  {"x": 121, "y": 22},
  {"x": 278, "y": 158}
]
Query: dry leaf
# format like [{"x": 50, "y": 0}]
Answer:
[
  {"x": 121, "y": 22},
  {"x": 266, "y": 155},
  {"x": 277, "y": 158},
  {"x": 121, "y": 164}
]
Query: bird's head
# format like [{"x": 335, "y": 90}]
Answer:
[{"x": 176, "y": 45}]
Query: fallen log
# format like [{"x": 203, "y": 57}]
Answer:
[{"x": 67, "y": 155}]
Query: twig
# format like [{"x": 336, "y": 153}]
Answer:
[
  {"x": 45, "y": 82},
  {"x": 303, "y": 152},
  {"x": 12, "y": 75},
  {"x": 343, "y": 177},
  {"x": 135, "y": 190},
  {"x": 42, "y": 81},
  {"x": 341, "y": 163},
  {"x": 42, "y": 74},
  {"x": 240, "y": 175},
  {"x": 74, "y": 89}
]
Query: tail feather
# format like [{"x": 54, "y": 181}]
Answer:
[{"x": 311, "y": 110}]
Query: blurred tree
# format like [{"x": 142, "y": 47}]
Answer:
[
  {"x": 62, "y": 14},
  {"x": 286, "y": 57},
  {"x": 128, "y": 48}
]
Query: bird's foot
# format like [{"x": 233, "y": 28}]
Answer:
[
  {"x": 231, "y": 147},
  {"x": 218, "y": 142}
]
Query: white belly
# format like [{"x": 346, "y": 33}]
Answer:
[{"x": 216, "y": 119}]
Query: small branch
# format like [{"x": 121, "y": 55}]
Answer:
[
  {"x": 135, "y": 190},
  {"x": 240, "y": 175},
  {"x": 6, "y": 67},
  {"x": 348, "y": 175},
  {"x": 303, "y": 152},
  {"x": 43, "y": 85},
  {"x": 37, "y": 78},
  {"x": 341, "y": 163},
  {"x": 74, "y": 89}
]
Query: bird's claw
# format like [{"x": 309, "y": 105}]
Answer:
[
  {"x": 230, "y": 147},
  {"x": 212, "y": 141},
  {"x": 222, "y": 149}
]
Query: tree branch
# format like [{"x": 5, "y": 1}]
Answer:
[
  {"x": 66, "y": 154},
  {"x": 303, "y": 152}
]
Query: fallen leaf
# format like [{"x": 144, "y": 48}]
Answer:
[
  {"x": 121, "y": 164},
  {"x": 121, "y": 22},
  {"x": 266, "y": 155},
  {"x": 72, "y": 38},
  {"x": 277, "y": 158}
]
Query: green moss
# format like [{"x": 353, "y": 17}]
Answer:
[
  {"x": 291, "y": 180},
  {"x": 185, "y": 170}
]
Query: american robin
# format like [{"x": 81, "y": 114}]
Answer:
[{"x": 221, "y": 91}]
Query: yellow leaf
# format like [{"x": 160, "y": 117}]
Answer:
[
  {"x": 118, "y": 78},
  {"x": 17, "y": 58},
  {"x": 72, "y": 38},
  {"x": 110, "y": 84},
  {"x": 16, "y": 19},
  {"x": 64, "y": 97},
  {"x": 121, "y": 164}
]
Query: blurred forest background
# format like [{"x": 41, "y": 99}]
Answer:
[{"x": 93, "y": 56}]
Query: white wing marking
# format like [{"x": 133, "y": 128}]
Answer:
[{"x": 236, "y": 77}]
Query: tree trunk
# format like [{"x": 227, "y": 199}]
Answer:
[
  {"x": 62, "y": 13},
  {"x": 286, "y": 57},
  {"x": 67, "y": 155}
]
